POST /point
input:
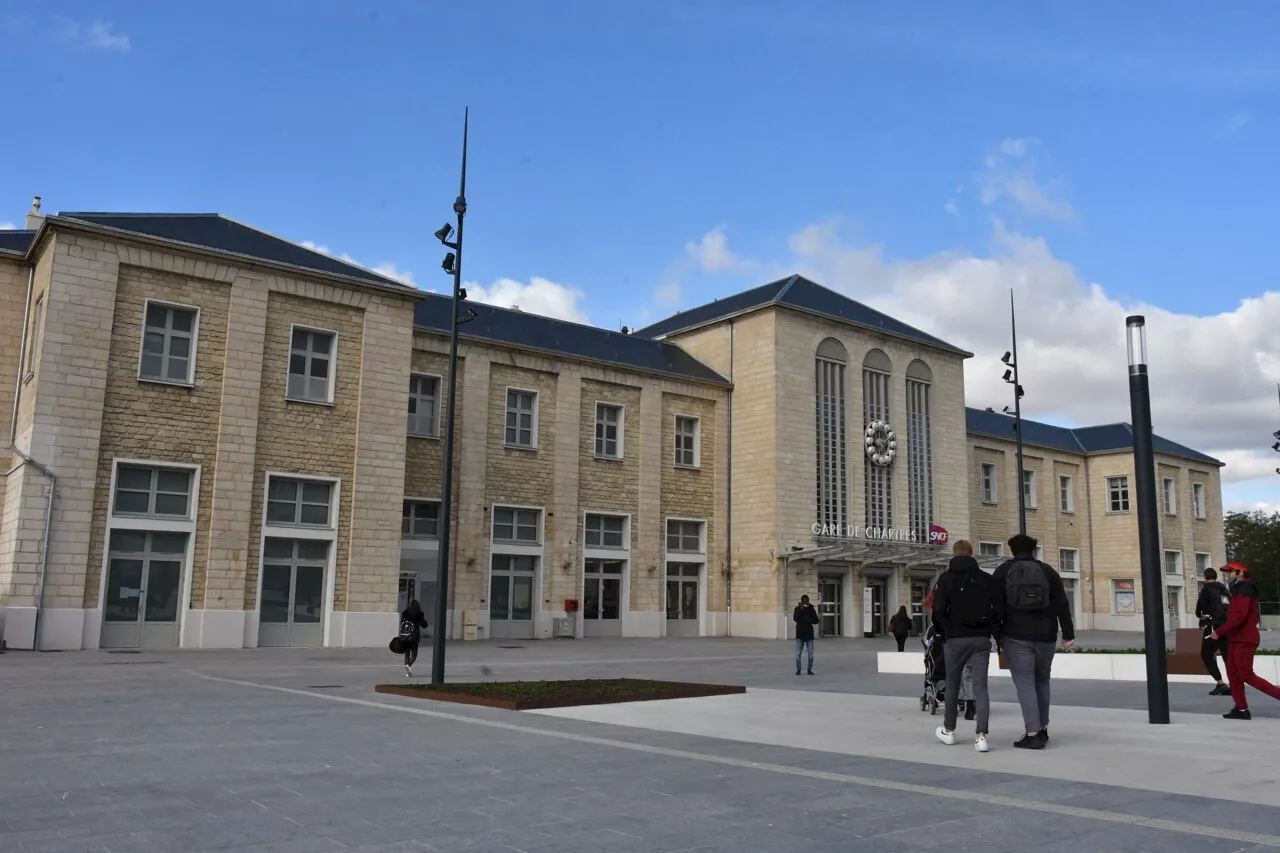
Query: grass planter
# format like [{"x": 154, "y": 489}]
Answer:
[{"x": 538, "y": 695}]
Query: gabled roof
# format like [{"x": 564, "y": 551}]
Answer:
[
  {"x": 560, "y": 337},
  {"x": 217, "y": 232},
  {"x": 800, "y": 293},
  {"x": 1108, "y": 438},
  {"x": 16, "y": 241}
]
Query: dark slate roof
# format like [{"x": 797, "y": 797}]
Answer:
[
  {"x": 214, "y": 231},
  {"x": 796, "y": 292},
  {"x": 15, "y": 241},
  {"x": 503, "y": 325},
  {"x": 1107, "y": 438}
]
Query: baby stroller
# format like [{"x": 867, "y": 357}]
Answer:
[{"x": 935, "y": 676}]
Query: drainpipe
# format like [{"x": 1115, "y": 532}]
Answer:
[
  {"x": 1093, "y": 581},
  {"x": 786, "y": 595},
  {"x": 728, "y": 527}
]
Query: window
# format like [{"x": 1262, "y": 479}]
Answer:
[
  {"x": 688, "y": 433},
  {"x": 990, "y": 549},
  {"x": 831, "y": 444},
  {"x": 1124, "y": 599},
  {"x": 298, "y": 502},
  {"x": 988, "y": 483},
  {"x": 604, "y": 531},
  {"x": 685, "y": 536},
  {"x": 1068, "y": 561},
  {"x": 878, "y": 479},
  {"x": 1197, "y": 499},
  {"x": 1173, "y": 563},
  {"x": 168, "y": 344},
  {"x": 522, "y": 419},
  {"x": 516, "y": 525},
  {"x": 919, "y": 450},
  {"x": 33, "y": 336},
  {"x": 1117, "y": 494},
  {"x": 420, "y": 520},
  {"x": 424, "y": 405},
  {"x": 609, "y": 421},
  {"x": 1169, "y": 490},
  {"x": 1203, "y": 562},
  {"x": 310, "y": 362},
  {"x": 1066, "y": 495},
  {"x": 1029, "y": 488},
  {"x": 164, "y": 492}
]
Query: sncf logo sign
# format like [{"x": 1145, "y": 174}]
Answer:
[{"x": 938, "y": 535}]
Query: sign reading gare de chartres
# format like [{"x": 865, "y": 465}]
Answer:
[{"x": 937, "y": 535}]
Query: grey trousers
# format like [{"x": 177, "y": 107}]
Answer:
[
  {"x": 1029, "y": 666},
  {"x": 975, "y": 653}
]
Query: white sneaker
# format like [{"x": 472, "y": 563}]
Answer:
[
  {"x": 981, "y": 744},
  {"x": 949, "y": 738},
  {"x": 408, "y": 673}
]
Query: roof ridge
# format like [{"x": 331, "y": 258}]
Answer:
[
  {"x": 591, "y": 326},
  {"x": 77, "y": 213},
  {"x": 781, "y": 294}
]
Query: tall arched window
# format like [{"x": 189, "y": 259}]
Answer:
[
  {"x": 876, "y": 368},
  {"x": 919, "y": 449},
  {"x": 833, "y": 463}
]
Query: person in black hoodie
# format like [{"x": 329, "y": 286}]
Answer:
[
  {"x": 1033, "y": 603},
  {"x": 965, "y": 607},
  {"x": 1211, "y": 610},
  {"x": 412, "y": 621},
  {"x": 805, "y": 617}
]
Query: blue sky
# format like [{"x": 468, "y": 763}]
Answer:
[{"x": 630, "y": 158}]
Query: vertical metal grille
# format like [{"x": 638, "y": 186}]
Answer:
[
  {"x": 875, "y": 395},
  {"x": 833, "y": 467},
  {"x": 919, "y": 459}
]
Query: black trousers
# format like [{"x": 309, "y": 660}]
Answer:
[
  {"x": 1209, "y": 649},
  {"x": 902, "y": 643}
]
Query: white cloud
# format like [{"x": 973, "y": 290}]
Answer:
[
  {"x": 1010, "y": 174},
  {"x": 950, "y": 207},
  {"x": 1269, "y": 507},
  {"x": 712, "y": 253},
  {"x": 669, "y": 293},
  {"x": 386, "y": 268},
  {"x": 8, "y": 226},
  {"x": 538, "y": 296},
  {"x": 1236, "y": 123},
  {"x": 390, "y": 270},
  {"x": 96, "y": 35}
]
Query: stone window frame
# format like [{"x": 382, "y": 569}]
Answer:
[
  {"x": 507, "y": 410},
  {"x": 517, "y": 546},
  {"x": 1169, "y": 495},
  {"x": 1199, "y": 501},
  {"x": 270, "y": 530},
  {"x": 1075, "y": 562},
  {"x": 411, "y": 536},
  {"x": 680, "y": 554},
  {"x": 1029, "y": 487},
  {"x": 1119, "y": 500},
  {"x": 606, "y": 552},
  {"x": 999, "y": 549},
  {"x": 33, "y": 340},
  {"x": 330, "y": 526},
  {"x": 1066, "y": 493},
  {"x": 1164, "y": 565},
  {"x": 601, "y": 441},
  {"x": 331, "y": 385},
  {"x": 433, "y": 429},
  {"x": 989, "y": 486},
  {"x": 151, "y": 519},
  {"x": 189, "y": 380},
  {"x": 1207, "y": 563},
  {"x": 697, "y": 441}
]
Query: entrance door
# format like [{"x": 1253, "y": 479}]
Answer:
[
  {"x": 292, "y": 606},
  {"x": 1174, "y": 608},
  {"x": 602, "y": 599},
  {"x": 144, "y": 582},
  {"x": 830, "y": 612},
  {"x": 879, "y": 588},
  {"x": 1069, "y": 586},
  {"x": 919, "y": 589},
  {"x": 682, "y": 599},
  {"x": 511, "y": 583}
]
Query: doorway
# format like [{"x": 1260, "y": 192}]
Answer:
[
  {"x": 830, "y": 611},
  {"x": 682, "y": 599},
  {"x": 873, "y": 609},
  {"x": 919, "y": 619},
  {"x": 511, "y": 585},
  {"x": 144, "y": 583},
  {"x": 602, "y": 599},
  {"x": 291, "y": 612},
  {"x": 1174, "y": 602}
]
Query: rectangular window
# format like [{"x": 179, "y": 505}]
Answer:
[
  {"x": 420, "y": 520},
  {"x": 1029, "y": 488},
  {"x": 988, "y": 483},
  {"x": 608, "y": 431},
  {"x": 310, "y": 366},
  {"x": 604, "y": 531},
  {"x": 168, "y": 344},
  {"x": 1066, "y": 495},
  {"x": 1068, "y": 561},
  {"x": 1117, "y": 494},
  {"x": 33, "y": 336},
  {"x": 522, "y": 419},
  {"x": 1203, "y": 562},
  {"x": 1169, "y": 491},
  {"x": 1197, "y": 499},
  {"x": 302, "y": 503},
  {"x": 919, "y": 459},
  {"x": 688, "y": 435},
  {"x": 424, "y": 405},
  {"x": 990, "y": 549},
  {"x": 161, "y": 492},
  {"x": 833, "y": 467},
  {"x": 878, "y": 479},
  {"x": 519, "y": 526},
  {"x": 1173, "y": 563},
  {"x": 1124, "y": 598},
  {"x": 685, "y": 536}
]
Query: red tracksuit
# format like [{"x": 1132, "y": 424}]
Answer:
[{"x": 1241, "y": 629}]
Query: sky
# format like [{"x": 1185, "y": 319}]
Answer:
[{"x": 633, "y": 158}]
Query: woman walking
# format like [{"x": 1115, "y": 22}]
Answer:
[
  {"x": 900, "y": 627},
  {"x": 412, "y": 621}
]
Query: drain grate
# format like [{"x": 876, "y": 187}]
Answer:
[{"x": 511, "y": 647}]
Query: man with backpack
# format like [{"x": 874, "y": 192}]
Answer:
[
  {"x": 966, "y": 610},
  {"x": 1034, "y": 604},
  {"x": 1211, "y": 610}
]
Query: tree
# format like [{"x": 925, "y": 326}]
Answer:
[{"x": 1253, "y": 538}]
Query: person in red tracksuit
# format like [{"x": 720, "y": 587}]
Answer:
[{"x": 1241, "y": 630}]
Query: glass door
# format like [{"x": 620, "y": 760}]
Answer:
[
  {"x": 602, "y": 599},
  {"x": 511, "y": 590},
  {"x": 830, "y": 612},
  {"x": 1174, "y": 608},
  {"x": 919, "y": 589},
  {"x": 682, "y": 599},
  {"x": 291, "y": 610},
  {"x": 878, "y": 588},
  {"x": 144, "y": 584}
]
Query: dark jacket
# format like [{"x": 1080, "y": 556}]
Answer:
[
  {"x": 962, "y": 572},
  {"x": 419, "y": 622},
  {"x": 1039, "y": 626},
  {"x": 805, "y": 618},
  {"x": 900, "y": 625},
  {"x": 1242, "y": 616},
  {"x": 1204, "y": 606}
]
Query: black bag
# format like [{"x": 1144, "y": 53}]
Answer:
[
  {"x": 969, "y": 603},
  {"x": 1218, "y": 604},
  {"x": 1027, "y": 587},
  {"x": 409, "y": 631},
  {"x": 396, "y": 646}
]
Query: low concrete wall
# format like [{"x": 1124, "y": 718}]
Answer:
[{"x": 1090, "y": 667}]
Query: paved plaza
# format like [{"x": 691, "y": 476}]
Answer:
[{"x": 291, "y": 750}]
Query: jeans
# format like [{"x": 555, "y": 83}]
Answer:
[
  {"x": 1029, "y": 665},
  {"x": 801, "y": 645},
  {"x": 1240, "y": 672},
  {"x": 1209, "y": 650},
  {"x": 973, "y": 653}
]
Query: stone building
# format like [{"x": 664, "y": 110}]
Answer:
[{"x": 216, "y": 438}]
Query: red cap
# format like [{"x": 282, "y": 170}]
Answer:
[{"x": 1233, "y": 566}]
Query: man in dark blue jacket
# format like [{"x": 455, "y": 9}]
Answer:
[{"x": 964, "y": 607}]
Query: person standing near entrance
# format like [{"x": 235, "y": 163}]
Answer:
[
  {"x": 900, "y": 627},
  {"x": 1241, "y": 629},
  {"x": 1034, "y": 603},
  {"x": 412, "y": 621},
  {"x": 1211, "y": 610},
  {"x": 964, "y": 606},
  {"x": 805, "y": 617}
]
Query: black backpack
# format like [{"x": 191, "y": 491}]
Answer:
[
  {"x": 408, "y": 630},
  {"x": 1027, "y": 587},
  {"x": 969, "y": 603},
  {"x": 1218, "y": 604}
]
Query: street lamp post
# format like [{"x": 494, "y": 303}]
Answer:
[
  {"x": 452, "y": 264},
  {"x": 1010, "y": 360},
  {"x": 1144, "y": 471}
]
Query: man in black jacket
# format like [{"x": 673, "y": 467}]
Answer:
[
  {"x": 1211, "y": 610},
  {"x": 1034, "y": 603},
  {"x": 964, "y": 606},
  {"x": 805, "y": 618}
]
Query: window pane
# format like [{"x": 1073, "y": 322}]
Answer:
[
  {"x": 276, "y": 581},
  {"x": 314, "y": 514},
  {"x": 151, "y": 366},
  {"x": 138, "y": 479},
  {"x": 171, "y": 504},
  {"x": 282, "y": 513},
  {"x": 173, "y": 481},
  {"x": 124, "y": 578},
  {"x": 156, "y": 315},
  {"x": 177, "y": 371},
  {"x": 499, "y": 593},
  {"x": 319, "y": 368},
  {"x": 179, "y": 346},
  {"x": 163, "y": 579},
  {"x": 295, "y": 387},
  {"x": 300, "y": 339},
  {"x": 315, "y": 493},
  {"x": 522, "y": 597},
  {"x": 135, "y": 503},
  {"x": 297, "y": 364},
  {"x": 318, "y": 390},
  {"x": 315, "y": 552},
  {"x": 153, "y": 343},
  {"x": 278, "y": 549},
  {"x": 128, "y": 542},
  {"x": 308, "y": 595},
  {"x": 321, "y": 343},
  {"x": 281, "y": 489},
  {"x": 183, "y": 320}
]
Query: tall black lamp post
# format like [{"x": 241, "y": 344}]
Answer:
[
  {"x": 1144, "y": 471},
  {"x": 1010, "y": 360},
  {"x": 452, "y": 265}
]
